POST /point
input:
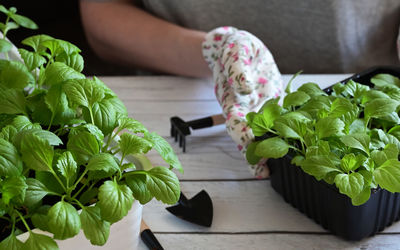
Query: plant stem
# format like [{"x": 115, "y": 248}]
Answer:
[
  {"x": 108, "y": 141},
  {"x": 80, "y": 204},
  {"x": 80, "y": 190},
  {"x": 58, "y": 179},
  {"x": 4, "y": 218},
  {"x": 5, "y": 34},
  {"x": 91, "y": 114},
  {"x": 23, "y": 221},
  {"x": 51, "y": 121},
  {"x": 135, "y": 172},
  {"x": 80, "y": 178}
]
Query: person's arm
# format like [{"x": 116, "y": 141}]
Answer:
[{"x": 122, "y": 33}]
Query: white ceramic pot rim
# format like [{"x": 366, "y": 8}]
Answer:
[{"x": 124, "y": 234}]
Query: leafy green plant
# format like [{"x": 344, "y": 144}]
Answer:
[
  {"x": 64, "y": 144},
  {"x": 349, "y": 138}
]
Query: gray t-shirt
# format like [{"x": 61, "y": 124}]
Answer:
[{"x": 316, "y": 36}]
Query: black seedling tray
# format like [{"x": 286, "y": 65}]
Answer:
[{"x": 324, "y": 204}]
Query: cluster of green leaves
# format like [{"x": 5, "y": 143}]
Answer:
[
  {"x": 350, "y": 138},
  {"x": 64, "y": 140}
]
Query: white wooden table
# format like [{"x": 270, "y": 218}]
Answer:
[{"x": 248, "y": 213}]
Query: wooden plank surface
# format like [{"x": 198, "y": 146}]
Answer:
[
  {"x": 273, "y": 241},
  {"x": 248, "y": 213}
]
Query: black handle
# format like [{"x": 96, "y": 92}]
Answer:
[
  {"x": 201, "y": 123},
  {"x": 150, "y": 240}
]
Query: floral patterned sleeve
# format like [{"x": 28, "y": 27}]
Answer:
[{"x": 245, "y": 76}]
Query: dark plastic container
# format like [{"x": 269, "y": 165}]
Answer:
[{"x": 324, "y": 204}]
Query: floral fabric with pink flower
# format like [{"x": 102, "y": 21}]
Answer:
[{"x": 245, "y": 76}]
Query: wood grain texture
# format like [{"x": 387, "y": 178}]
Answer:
[
  {"x": 273, "y": 242},
  {"x": 239, "y": 206}
]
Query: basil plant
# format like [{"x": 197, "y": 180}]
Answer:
[
  {"x": 64, "y": 144},
  {"x": 349, "y": 138}
]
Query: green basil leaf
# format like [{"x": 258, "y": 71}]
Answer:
[
  {"x": 362, "y": 197},
  {"x": 83, "y": 92},
  {"x": 391, "y": 151},
  {"x": 118, "y": 105},
  {"x": 338, "y": 89},
  {"x": 48, "y": 136},
  {"x": 392, "y": 91},
  {"x": 341, "y": 106},
  {"x": 94, "y": 130},
  {"x": 297, "y": 160},
  {"x": 115, "y": 201},
  {"x": 312, "y": 89},
  {"x": 67, "y": 166},
  {"x": 23, "y": 21},
  {"x": 355, "y": 89},
  {"x": 40, "y": 219},
  {"x": 350, "y": 184},
  {"x": 83, "y": 146},
  {"x": 319, "y": 166},
  {"x": 37, "y": 153},
  {"x": 133, "y": 144},
  {"x": 373, "y": 94},
  {"x": 273, "y": 147},
  {"x": 95, "y": 229},
  {"x": 13, "y": 189},
  {"x": 388, "y": 175},
  {"x": 50, "y": 182},
  {"x": 74, "y": 60},
  {"x": 56, "y": 101},
  {"x": 251, "y": 157},
  {"x": 351, "y": 162},
  {"x": 15, "y": 75},
  {"x": 164, "y": 149},
  {"x": 357, "y": 126},
  {"x": 316, "y": 105},
  {"x": 53, "y": 45},
  {"x": 329, "y": 126},
  {"x": 5, "y": 46},
  {"x": 22, "y": 123},
  {"x": 12, "y": 101},
  {"x": 39, "y": 241},
  {"x": 8, "y": 133},
  {"x": 67, "y": 47},
  {"x": 382, "y": 80},
  {"x": 35, "y": 192},
  {"x": 359, "y": 141},
  {"x": 104, "y": 162},
  {"x": 163, "y": 184},
  {"x": 138, "y": 186},
  {"x": 104, "y": 115},
  {"x": 380, "y": 107},
  {"x": 291, "y": 125},
  {"x": 10, "y": 161},
  {"x": 297, "y": 98},
  {"x": 131, "y": 125},
  {"x": 11, "y": 243},
  {"x": 64, "y": 221},
  {"x": 32, "y": 60},
  {"x": 36, "y": 42},
  {"x": 58, "y": 72},
  {"x": 261, "y": 123}
]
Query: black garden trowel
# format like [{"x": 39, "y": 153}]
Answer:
[{"x": 198, "y": 210}]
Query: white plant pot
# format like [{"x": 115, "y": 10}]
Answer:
[{"x": 124, "y": 234}]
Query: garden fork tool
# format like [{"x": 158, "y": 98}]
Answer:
[
  {"x": 180, "y": 128},
  {"x": 198, "y": 210}
]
